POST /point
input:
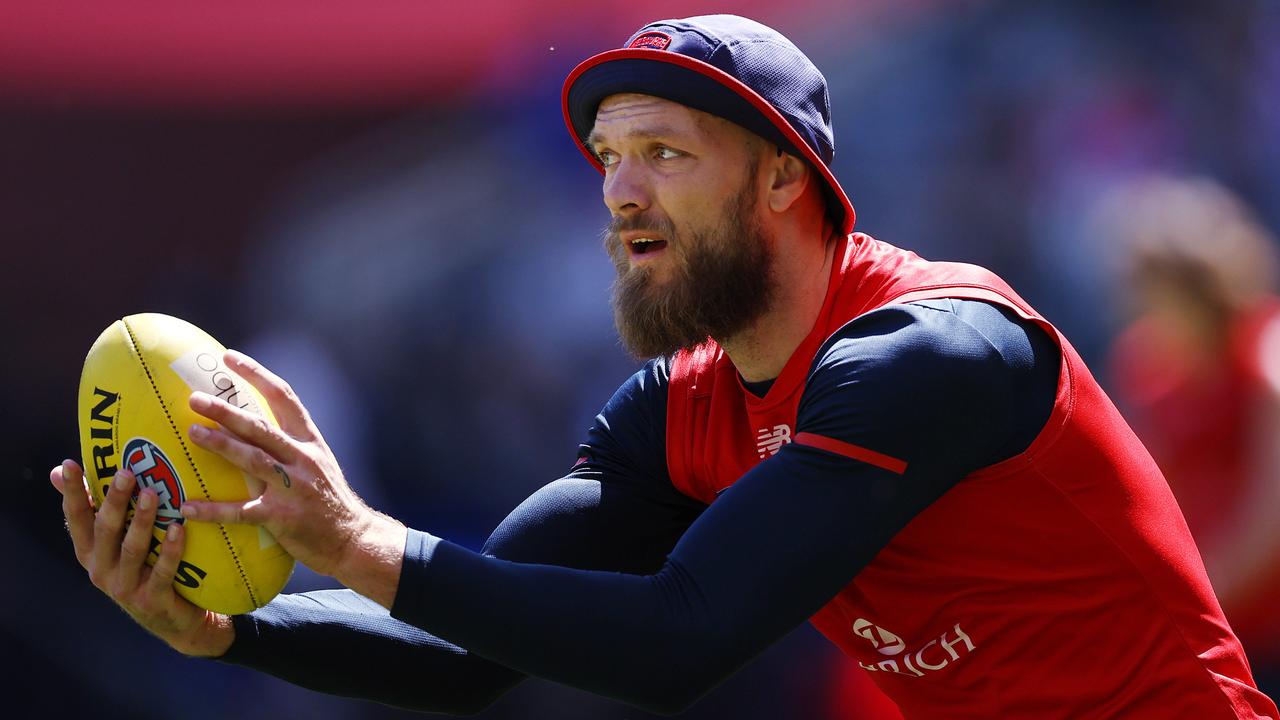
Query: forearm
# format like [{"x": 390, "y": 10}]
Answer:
[
  {"x": 651, "y": 641},
  {"x": 340, "y": 643}
]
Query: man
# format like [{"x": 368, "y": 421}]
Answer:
[
  {"x": 836, "y": 430},
  {"x": 1197, "y": 373}
]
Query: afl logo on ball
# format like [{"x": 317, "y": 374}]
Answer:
[{"x": 153, "y": 470}]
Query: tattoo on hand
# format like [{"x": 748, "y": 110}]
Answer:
[{"x": 283, "y": 475}]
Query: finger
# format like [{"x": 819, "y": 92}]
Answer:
[
  {"x": 137, "y": 542},
  {"x": 108, "y": 525},
  {"x": 283, "y": 401},
  {"x": 252, "y": 428},
  {"x": 253, "y": 460},
  {"x": 166, "y": 568},
  {"x": 77, "y": 506},
  {"x": 67, "y": 477},
  {"x": 249, "y": 512}
]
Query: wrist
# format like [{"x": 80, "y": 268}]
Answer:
[
  {"x": 371, "y": 563},
  {"x": 211, "y": 638}
]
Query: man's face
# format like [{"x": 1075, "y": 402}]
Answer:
[{"x": 686, "y": 236}]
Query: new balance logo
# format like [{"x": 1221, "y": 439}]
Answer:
[{"x": 770, "y": 440}]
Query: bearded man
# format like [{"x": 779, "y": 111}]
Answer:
[{"x": 902, "y": 452}]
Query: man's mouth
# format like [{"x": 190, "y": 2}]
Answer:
[{"x": 645, "y": 245}]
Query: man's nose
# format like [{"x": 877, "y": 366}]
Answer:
[{"x": 626, "y": 188}]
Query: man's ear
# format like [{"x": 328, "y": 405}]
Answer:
[{"x": 789, "y": 178}]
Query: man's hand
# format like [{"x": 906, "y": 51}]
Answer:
[
  {"x": 115, "y": 558},
  {"x": 307, "y": 504}
]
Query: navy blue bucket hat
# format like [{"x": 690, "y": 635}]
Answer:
[{"x": 730, "y": 67}]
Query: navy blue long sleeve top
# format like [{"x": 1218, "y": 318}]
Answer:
[{"x": 612, "y": 581}]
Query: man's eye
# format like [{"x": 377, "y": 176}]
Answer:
[
  {"x": 666, "y": 153},
  {"x": 607, "y": 157}
]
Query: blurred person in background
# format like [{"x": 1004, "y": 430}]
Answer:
[
  {"x": 833, "y": 429},
  {"x": 1197, "y": 372}
]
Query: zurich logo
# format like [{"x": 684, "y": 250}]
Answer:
[{"x": 882, "y": 640}]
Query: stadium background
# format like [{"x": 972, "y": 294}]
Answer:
[{"x": 381, "y": 203}]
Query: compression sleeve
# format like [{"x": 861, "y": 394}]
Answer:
[
  {"x": 612, "y": 512},
  {"x": 939, "y": 386},
  {"x": 341, "y": 643}
]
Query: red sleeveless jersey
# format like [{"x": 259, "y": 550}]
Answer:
[{"x": 1061, "y": 583}]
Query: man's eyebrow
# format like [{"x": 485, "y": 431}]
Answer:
[{"x": 651, "y": 132}]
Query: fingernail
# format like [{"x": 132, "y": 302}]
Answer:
[
  {"x": 199, "y": 399},
  {"x": 171, "y": 534},
  {"x": 122, "y": 480},
  {"x": 146, "y": 499},
  {"x": 199, "y": 432},
  {"x": 189, "y": 511}
]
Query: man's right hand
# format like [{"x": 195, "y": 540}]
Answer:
[{"x": 115, "y": 557}]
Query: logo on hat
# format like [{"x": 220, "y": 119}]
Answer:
[{"x": 652, "y": 40}]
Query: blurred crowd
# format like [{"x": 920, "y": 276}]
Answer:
[{"x": 428, "y": 275}]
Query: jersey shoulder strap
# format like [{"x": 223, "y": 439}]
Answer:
[{"x": 690, "y": 385}]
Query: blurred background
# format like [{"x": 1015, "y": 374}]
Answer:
[{"x": 380, "y": 201}]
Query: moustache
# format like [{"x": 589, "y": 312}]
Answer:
[{"x": 648, "y": 222}]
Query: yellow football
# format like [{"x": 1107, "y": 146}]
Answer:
[{"x": 133, "y": 414}]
